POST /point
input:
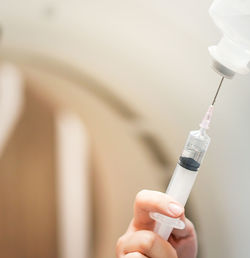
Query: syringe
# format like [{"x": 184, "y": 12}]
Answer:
[{"x": 186, "y": 170}]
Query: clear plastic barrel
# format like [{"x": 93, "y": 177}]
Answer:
[{"x": 194, "y": 150}]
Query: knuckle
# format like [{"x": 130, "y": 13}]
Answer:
[
  {"x": 120, "y": 241},
  {"x": 147, "y": 241},
  {"x": 140, "y": 197},
  {"x": 190, "y": 227},
  {"x": 189, "y": 224},
  {"x": 119, "y": 244}
]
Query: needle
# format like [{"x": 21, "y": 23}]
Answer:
[{"x": 217, "y": 91}]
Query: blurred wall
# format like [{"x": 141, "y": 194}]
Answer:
[
  {"x": 27, "y": 185},
  {"x": 122, "y": 161},
  {"x": 125, "y": 156}
]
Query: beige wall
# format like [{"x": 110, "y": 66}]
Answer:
[
  {"x": 122, "y": 160},
  {"x": 27, "y": 186}
]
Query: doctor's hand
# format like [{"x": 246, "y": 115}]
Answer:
[{"x": 141, "y": 242}]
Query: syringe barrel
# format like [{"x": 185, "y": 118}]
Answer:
[
  {"x": 187, "y": 168},
  {"x": 179, "y": 189},
  {"x": 181, "y": 184},
  {"x": 194, "y": 150},
  {"x": 185, "y": 173}
]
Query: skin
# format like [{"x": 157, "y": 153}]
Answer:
[{"x": 140, "y": 241}]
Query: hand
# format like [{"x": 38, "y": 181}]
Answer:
[{"x": 141, "y": 242}]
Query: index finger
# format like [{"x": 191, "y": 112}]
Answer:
[{"x": 152, "y": 201}]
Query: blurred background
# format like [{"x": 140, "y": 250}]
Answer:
[{"x": 96, "y": 101}]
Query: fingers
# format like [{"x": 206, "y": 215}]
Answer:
[
  {"x": 154, "y": 201},
  {"x": 185, "y": 241},
  {"x": 134, "y": 255},
  {"x": 146, "y": 243},
  {"x": 188, "y": 231}
]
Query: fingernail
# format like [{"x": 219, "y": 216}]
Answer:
[{"x": 175, "y": 209}]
